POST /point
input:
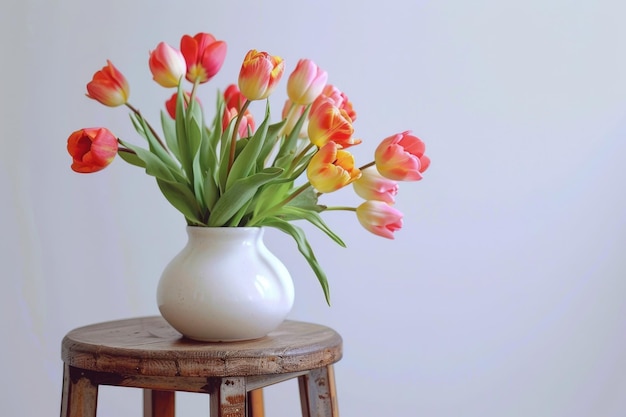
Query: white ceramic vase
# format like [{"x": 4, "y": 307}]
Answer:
[{"x": 225, "y": 285}]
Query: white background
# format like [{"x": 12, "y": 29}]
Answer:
[{"x": 503, "y": 294}]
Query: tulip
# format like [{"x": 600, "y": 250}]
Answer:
[
  {"x": 167, "y": 65},
  {"x": 109, "y": 86},
  {"x": 330, "y": 123},
  {"x": 260, "y": 73},
  {"x": 170, "y": 105},
  {"x": 401, "y": 157},
  {"x": 233, "y": 97},
  {"x": 92, "y": 149},
  {"x": 306, "y": 82},
  {"x": 373, "y": 186},
  {"x": 379, "y": 218},
  {"x": 338, "y": 98},
  {"x": 246, "y": 123},
  {"x": 331, "y": 168},
  {"x": 204, "y": 56}
]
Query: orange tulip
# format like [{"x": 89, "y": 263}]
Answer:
[
  {"x": 259, "y": 75},
  {"x": 109, "y": 86},
  {"x": 401, "y": 157},
  {"x": 167, "y": 65},
  {"x": 306, "y": 82},
  {"x": 92, "y": 149},
  {"x": 379, "y": 218},
  {"x": 330, "y": 123},
  {"x": 204, "y": 56},
  {"x": 331, "y": 168}
]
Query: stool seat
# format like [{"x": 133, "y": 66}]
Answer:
[{"x": 148, "y": 353}]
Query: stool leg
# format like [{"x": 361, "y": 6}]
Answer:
[
  {"x": 228, "y": 397},
  {"x": 80, "y": 394},
  {"x": 158, "y": 403},
  {"x": 318, "y": 396},
  {"x": 255, "y": 403}
]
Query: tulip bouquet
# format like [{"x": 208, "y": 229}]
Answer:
[{"x": 231, "y": 172}]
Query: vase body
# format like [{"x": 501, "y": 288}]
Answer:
[{"x": 225, "y": 285}]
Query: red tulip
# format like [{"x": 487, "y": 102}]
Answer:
[
  {"x": 401, "y": 157},
  {"x": 204, "y": 56},
  {"x": 170, "y": 105},
  {"x": 109, "y": 86},
  {"x": 92, "y": 149}
]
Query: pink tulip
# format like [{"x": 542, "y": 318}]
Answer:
[
  {"x": 379, "y": 218},
  {"x": 92, "y": 149},
  {"x": 259, "y": 75},
  {"x": 109, "y": 86},
  {"x": 167, "y": 65},
  {"x": 338, "y": 98},
  {"x": 401, "y": 157},
  {"x": 331, "y": 168},
  {"x": 373, "y": 186},
  {"x": 204, "y": 56},
  {"x": 306, "y": 82}
]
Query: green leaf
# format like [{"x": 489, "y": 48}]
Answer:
[
  {"x": 182, "y": 199},
  {"x": 305, "y": 249},
  {"x": 131, "y": 158},
  {"x": 154, "y": 165},
  {"x": 155, "y": 146},
  {"x": 246, "y": 160},
  {"x": 169, "y": 131},
  {"x": 270, "y": 142},
  {"x": 288, "y": 148},
  {"x": 313, "y": 217},
  {"x": 239, "y": 194}
]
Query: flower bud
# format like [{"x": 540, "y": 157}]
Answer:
[
  {"x": 331, "y": 168},
  {"x": 109, "y": 86},
  {"x": 373, "y": 186},
  {"x": 260, "y": 73},
  {"x": 306, "y": 82},
  {"x": 167, "y": 65},
  {"x": 401, "y": 157},
  {"x": 379, "y": 218}
]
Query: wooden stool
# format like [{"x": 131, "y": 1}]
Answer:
[{"x": 148, "y": 353}]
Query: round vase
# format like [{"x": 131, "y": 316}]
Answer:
[{"x": 225, "y": 285}]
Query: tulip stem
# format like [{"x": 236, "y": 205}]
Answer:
[
  {"x": 370, "y": 164},
  {"x": 344, "y": 208},
  {"x": 154, "y": 133},
  {"x": 233, "y": 140}
]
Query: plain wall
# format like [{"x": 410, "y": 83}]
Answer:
[{"x": 503, "y": 294}]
